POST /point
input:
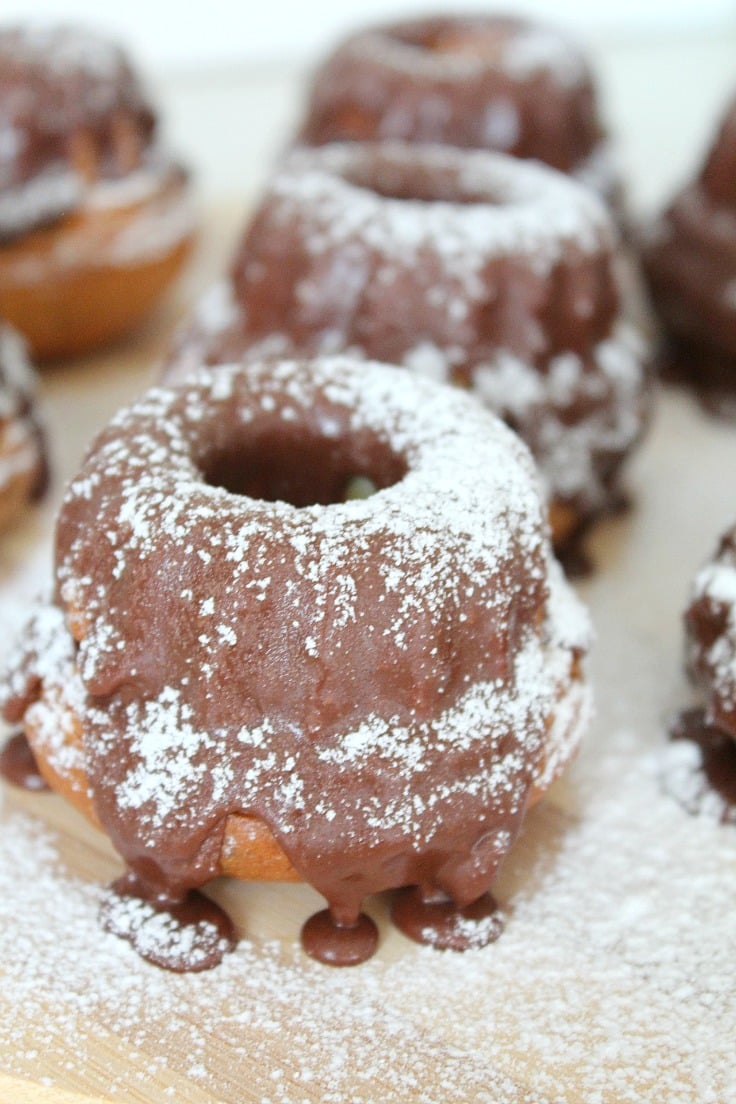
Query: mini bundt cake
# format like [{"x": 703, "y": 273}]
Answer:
[
  {"x": 23, "y": 464},
  {"x": 700, "y": 767},
  {"x": 95, "y": 219},
  {"x": 711, "y": 632},
  {"x": 479, "y": 81},
  {"x": 488, "y": 272},
  {"x": 242, "y": 672},
  {"x": 689, "y": 255}
]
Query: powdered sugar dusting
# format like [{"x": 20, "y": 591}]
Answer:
[
  {"x": 167, "y": 751},
  {"x": 47, "y": 639},
  {"x": 538, "y": 404},
  {"x": 530, "y": 210},
  {"x": 610, "y": 383},
  {"x": 156, "y": 932}
]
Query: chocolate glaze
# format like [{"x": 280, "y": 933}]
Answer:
[
  {"x": 185, "y": 935},
  {"x": 454, "y": 81},
  {"x": 718, "y": 757},
  {"x": 80, "y": 114},
  {"x": 350, "y": 635},
  {"x": 18, "y": 764},
  {"x": 689, "y": 258},
  {"x": 301, "y": 283},
  {"x": 533, "y": 316},
  {"x": 431, "y": 917},
  {"x": 339, "y": 944}
]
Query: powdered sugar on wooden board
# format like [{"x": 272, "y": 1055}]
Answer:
[
  {"x": 613, "y": 981},
  {"x": 602, "y": 977}
]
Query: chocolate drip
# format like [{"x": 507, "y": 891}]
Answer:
[
  {"x": 185, "y": 935},
  {"x": 338, "y": 944},
  {"x": 717, "y": 770},
  {"x": 18, "y": 765},
  {"x": 431, "y": 917}
]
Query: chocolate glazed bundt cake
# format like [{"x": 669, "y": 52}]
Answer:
[
  {"x": 478, "y": 81},
  {"x": 711, "y": 627},
  {"x": 95, "y": 219},
  {"x": 703, "y": 774},
  {"x": 491, "y": 273},
  {"x": 689, "y": 255},
  {"x": 242, "y": 673}
]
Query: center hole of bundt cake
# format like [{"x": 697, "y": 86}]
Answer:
[
  {"x": 415, "y": 182},
  {"x": 304, "y": 470}
]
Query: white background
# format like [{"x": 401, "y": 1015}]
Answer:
[{"x": 228, "y": 32}]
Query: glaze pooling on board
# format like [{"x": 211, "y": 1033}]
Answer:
[
  {"x": 186, "y": 935},
  {"x": 73, "y": 110},
  {"x": 472, "y": 268},
  {"x": 337, "y": 944},
  {"x": 432, "y": 918},
  {"x": 380, "y": 681}
]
